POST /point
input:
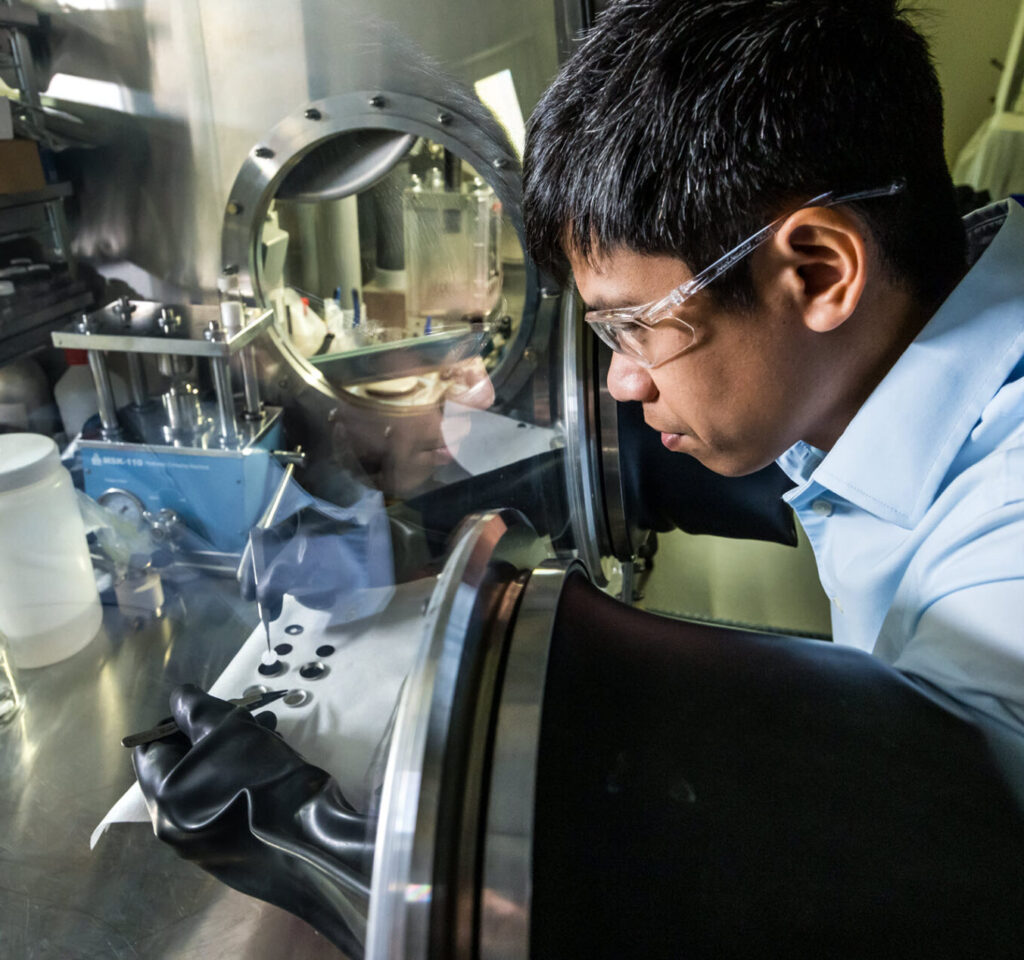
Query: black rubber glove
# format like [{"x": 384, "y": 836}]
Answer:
[{"x": 234, "y": 798}]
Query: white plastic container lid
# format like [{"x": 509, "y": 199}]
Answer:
[{"x": 26, "y": 458}]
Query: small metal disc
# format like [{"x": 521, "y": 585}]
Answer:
[
  {"x": 255, "y": 689},
  {"x": 283, "y": 648},
  {"x": 313, "y": 670},
  {"x": 297, "y": 698},
  {"x": 325, "y": 651},
  {"x": 272, "y": 669},
  {"x": 294, "y": 629}
]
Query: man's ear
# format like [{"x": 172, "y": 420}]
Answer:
[{"x": 821, "y": 259}]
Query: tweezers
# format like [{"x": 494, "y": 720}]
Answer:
[{"x": 168, "y": 727}]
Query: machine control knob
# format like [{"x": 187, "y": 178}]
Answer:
[{"x": 164, "y": 524}]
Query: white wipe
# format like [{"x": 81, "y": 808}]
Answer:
[{"x": 341, "y": 725}]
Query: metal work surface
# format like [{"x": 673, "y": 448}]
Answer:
[{"x": 61, "y": 768}]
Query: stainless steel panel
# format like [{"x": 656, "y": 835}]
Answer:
[{"x": 174, "y": 95}]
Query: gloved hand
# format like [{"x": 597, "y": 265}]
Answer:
[{"x": 230, "y": 795}]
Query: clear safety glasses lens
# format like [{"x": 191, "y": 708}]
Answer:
[{"x": 649, "y": 344}]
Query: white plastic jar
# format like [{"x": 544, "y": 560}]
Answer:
[{"x": 49, "y": 606}]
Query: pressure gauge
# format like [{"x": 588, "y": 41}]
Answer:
[{"x": 126, "y": 505}]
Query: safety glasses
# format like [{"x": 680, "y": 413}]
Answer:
[{"x": 653, "y": 333}]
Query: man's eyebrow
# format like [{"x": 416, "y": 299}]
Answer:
[{"x": 600, "y": 304}]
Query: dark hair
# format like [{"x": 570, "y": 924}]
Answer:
[{"x": 682, "y": 126}]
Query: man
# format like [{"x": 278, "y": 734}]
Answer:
[{"x": 851, "y": 335}]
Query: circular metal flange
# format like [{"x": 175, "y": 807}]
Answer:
[
  {"x": 624, "y": 537},
  {"x": 282, "y": 149},
  {"x": 583, "y": 478},
  {"x": 428, "y": 829},
  {"x": 505, "y": 897},
  {"x": 476, "y": 139}
]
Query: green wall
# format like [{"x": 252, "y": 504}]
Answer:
[{"x": 965, "y": 35}]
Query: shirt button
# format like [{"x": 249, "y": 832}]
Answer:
[{"x": 822, "y": 508}]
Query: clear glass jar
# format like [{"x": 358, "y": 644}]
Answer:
[{"x": 10, "y": 699}]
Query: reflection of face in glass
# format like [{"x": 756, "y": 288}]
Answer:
[{"x": 394, "y": 426}]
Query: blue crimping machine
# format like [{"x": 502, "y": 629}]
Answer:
[{"x": 187, "y": 452}]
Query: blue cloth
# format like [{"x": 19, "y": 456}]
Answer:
[
  {"x": 916, "y": 515},
  {"x": 329, "y": 557}
]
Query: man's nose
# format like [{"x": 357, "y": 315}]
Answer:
[{"x": 627, "y": 380}]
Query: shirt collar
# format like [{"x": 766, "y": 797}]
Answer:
[
  {"x": 893, "y": 455},
  {"x": 798, "y": 463}
]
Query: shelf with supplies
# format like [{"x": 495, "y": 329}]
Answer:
[
  {"x": 47, "y": 293},
  {"x": 39, "y": 306}
]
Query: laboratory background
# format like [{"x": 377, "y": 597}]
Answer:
[{"x": 285, "y": 408}]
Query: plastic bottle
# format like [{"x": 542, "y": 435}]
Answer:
[
  {"x": 75, "y": 392},
  {"x": 305, "y": 328},
  {"x": 49, "y": 606},
  {"x": 340, "y": 322}
]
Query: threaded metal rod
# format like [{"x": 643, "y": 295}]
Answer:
[
  {"x": 251, "y": 383},
  {"x": 137, "y": 379},
  {"x": 225, "y": 398},
  {"x": 104, "y": 394}
]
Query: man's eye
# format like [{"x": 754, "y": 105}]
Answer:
[{"x": 637, "y": 334}]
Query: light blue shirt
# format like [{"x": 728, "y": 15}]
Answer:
[{"x": 916, "y": 515}]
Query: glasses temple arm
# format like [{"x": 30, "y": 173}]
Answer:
[{"x": 741, "y": 250}]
